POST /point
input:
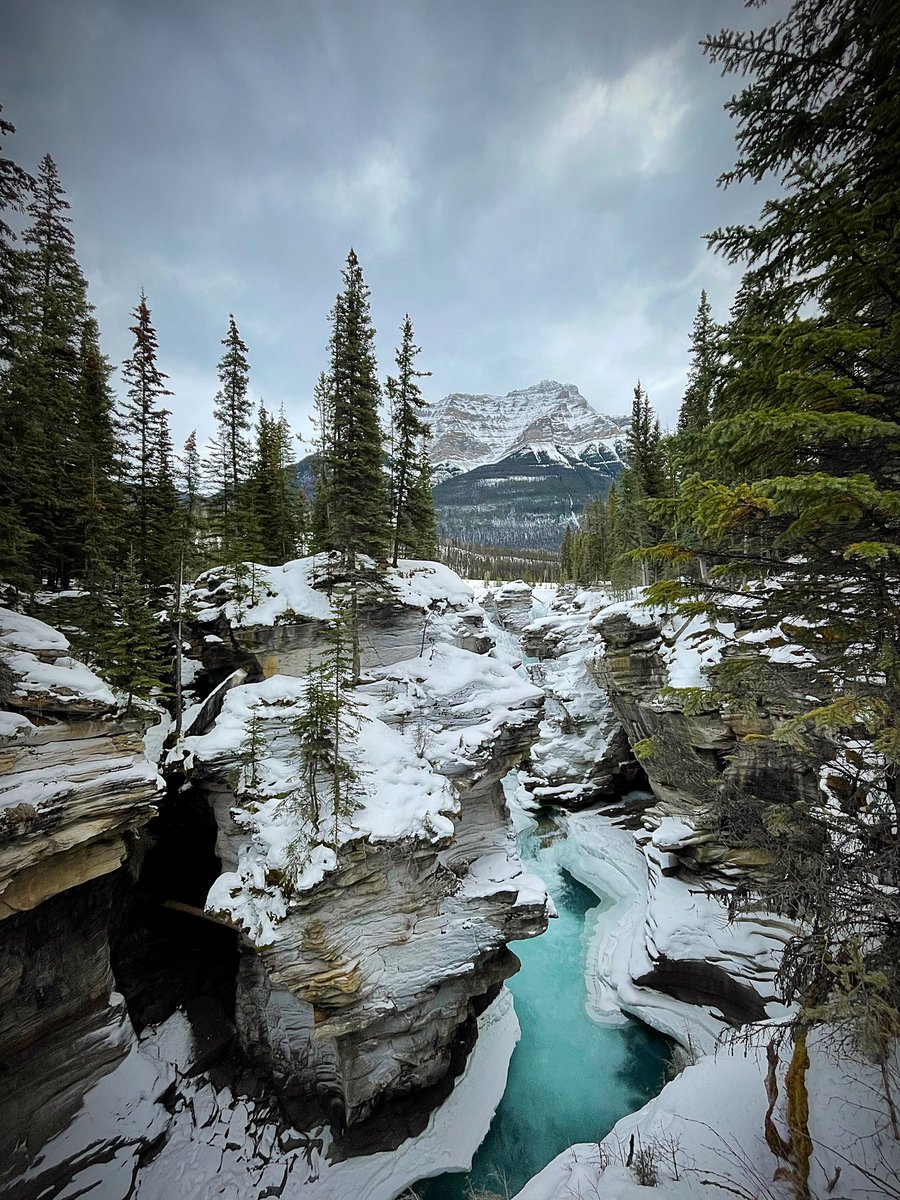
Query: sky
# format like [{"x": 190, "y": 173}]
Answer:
[{"x": 530, "y": 179}]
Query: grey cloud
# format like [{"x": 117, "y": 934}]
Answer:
[{"x": 530, "y": 180}]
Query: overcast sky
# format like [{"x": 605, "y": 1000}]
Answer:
[{"x": 530, "y": 179}]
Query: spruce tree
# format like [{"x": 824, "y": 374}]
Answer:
[
  {"x": 15, "y": 418},
  {"x": 42, "y": 382},
  {"x": 15, "y": 186},
  {"x": 354, "y": 499},
  {"x": 232, "y": 464},
  {"x": 698, "y": 404},
  {"x": 277, "y": 506},
  {"x": 142, "y": 419},
  {"x": 189, "y": 476},
  {"x": 797, "y": 491},
  {"x": 130, "y": 654},
  {"x": 324, "y": 423},
  {"x": 97, "y": 478},
  {"x": 162, "y": 544},
  {"x": 409, "y": 496},
  {"x": 423, "y": 526},
  {"x": 642, "y": 482}
]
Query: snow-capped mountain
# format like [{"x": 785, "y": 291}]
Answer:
[
  {"x": 549, "y": 418},
  {"x": 514, "y": 470}
]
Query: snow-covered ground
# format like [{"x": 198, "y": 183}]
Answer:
[{"x": 220, "y": 1145}]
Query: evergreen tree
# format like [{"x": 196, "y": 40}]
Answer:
[
  {"x": 324, "y": 727},
  {"x": 643, "y": 481},
  {"x": 130, "y": 654},
  {"x": 42, "y": 381},
  {"x": 253, "y": 753},
  {"x": 278, "y": 506},
  {"x": 142, "y": 421},
  {"x": 699, "y": 398},
  {"x": 15, "y": 418},
  {"x": 411, "y": 503},
  {"x": 189, "y": 475},
  {"x": 798, "y": 487},
  {"x": 423, "y": 524},
  {"x": 232, "y": 463},
  {"x": 97, "y": 484},
  {"x": 353, "y": 507},
  {"x": 163, "y": 543},
  {"x": 324, "y": 423},
  {"x": 698, "y": 405},
  {"x": 15, "y": 186}
]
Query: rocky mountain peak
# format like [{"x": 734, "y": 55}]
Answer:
[{"x": 472, "y": 430}]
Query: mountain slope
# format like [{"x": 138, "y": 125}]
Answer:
[{"x": 514, "y": 470}]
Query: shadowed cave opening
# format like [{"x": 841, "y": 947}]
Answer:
[{"x": 165, "y": 954}]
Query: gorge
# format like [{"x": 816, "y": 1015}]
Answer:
[{"x": 261, "y": 1008}]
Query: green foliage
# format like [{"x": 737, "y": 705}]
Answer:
[
  {"x": 252, "y": 753},
  {"x": 325, "y": 725},
  {"x": 149, "y": 455},
  {"x": 692, "y": 700},
  {"x": 277, "y": 507},
  {"x": 787, "y": 461},
  {"x": 860, "y": 1001},
  {"x": 130, "y": 651},
  {"x": 646, "y": 749},
  {"x": 230, "y": 463},
  {"x": 352, "y": 513},
  {"x": 414, "y": 524}
]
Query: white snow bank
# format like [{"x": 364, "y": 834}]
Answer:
[
  {"x": 421, "y": 584},
  {"x": 398, "y": 795},
  {"x": 218, "y": 1146},
  {"x": 265, "y": 595},
  {"x": 296, "y": 590},
  {"x": 705, "y": 1133},
  {"x": 18, "y": 632},
  {"x": 36, "y": 655},
  {"x": 653, "y": 915}
]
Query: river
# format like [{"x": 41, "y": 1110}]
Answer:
[{"x": 570, "y": 1079}]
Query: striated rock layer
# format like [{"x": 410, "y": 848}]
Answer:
[
  {"x": 360, "y": 982},
  {"x": 75, "y": 792}
]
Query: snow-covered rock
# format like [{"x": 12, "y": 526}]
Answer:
[
  {"x": 74, "y": 779},
  {"x": 75, "y": 789},
  {"x": 660, "y": 675},
  {"x": 366, "y": 953},
  {"x": 582, "y": 754},
  {"x": 510, "y": 605}
]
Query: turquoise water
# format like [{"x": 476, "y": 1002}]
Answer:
[{"x": 570, "y": 1079}]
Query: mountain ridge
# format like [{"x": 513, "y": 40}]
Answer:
[{"x": 471, "y": 430}]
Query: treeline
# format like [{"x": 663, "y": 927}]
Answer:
[
  {"x": 777, "y": 500},
  {"x": 92, "y": 492},
  {"x": 498, "y": 562},
  {"x": 603, "y": 547}
]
